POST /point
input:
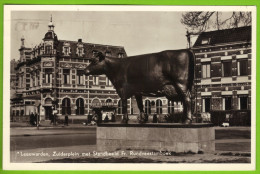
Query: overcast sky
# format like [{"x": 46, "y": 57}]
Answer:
[{"x": 138, "y": 32}]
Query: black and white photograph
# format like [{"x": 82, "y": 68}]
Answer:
[{"x": 129, "y": 87}]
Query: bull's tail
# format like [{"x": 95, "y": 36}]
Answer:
[{"x": 191, "y": 69}]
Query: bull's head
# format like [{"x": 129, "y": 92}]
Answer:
[{"x": 97, "y": 65}]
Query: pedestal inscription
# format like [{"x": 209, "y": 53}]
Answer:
[{"x": 159, "y": 137}]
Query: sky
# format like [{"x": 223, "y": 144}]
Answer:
[{"x": 138, "y": 32}]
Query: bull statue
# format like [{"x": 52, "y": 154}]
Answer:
[{"x": 168, "y": 73}]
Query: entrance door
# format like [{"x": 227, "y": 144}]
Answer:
[{"x": 48, "y": 112}]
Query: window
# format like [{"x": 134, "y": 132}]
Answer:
[
  {"x": 206, "y": 70},
  {"x": 227, "y": 69},
  {"x": 108, "y": 100},
  {"x": 108, "y": 54},
  {"x": 48, "y": 49},
  {"x": 95, "y": 80},
  {"x": 22, "y": 112},
  {"x": 158, "y": 106},
  {"x": 31, "y": 80},
  {"x": 108, "y": 82},
  {"x": 120, "y": 107},
  {"x": 35, "y": 79},
  {"x": 205, "y": 41},
  {"x": 66, "y": 76},
  {"x": 66, "y": 51},
  {"x": 206, "y": 105},
  {"x": 48, "y": 75},
  {"x": 227, "y": 104},
  {"x": 120, "y": 55},
  {"x": 170, "y": 107},
  {"x": 80, "y": 106},
  {"x": 80, "y": 77},
  {"x": 80, "y": 51},
  {"x": 66, "y": 109},
  {"x": 38, "y": 78},
  {"x": 243, "y": 100},
  {"x": 242, "y": 68},
  {"x": 94, "y": 53},
  {"x": 147, "y": 107}
]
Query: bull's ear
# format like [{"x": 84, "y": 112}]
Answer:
[{"x": 101, "y": 56}]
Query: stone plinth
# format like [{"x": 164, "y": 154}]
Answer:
[{"x": 165, "y": 137}]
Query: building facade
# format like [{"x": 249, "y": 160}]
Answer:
[
  {"x": 223, "y": 70},
  {"x": 50, "y": 77}
]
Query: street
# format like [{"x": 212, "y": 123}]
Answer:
[{"x": 82, "y": 139}]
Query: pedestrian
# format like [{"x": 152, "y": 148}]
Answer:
[
  {"x": 55, "y": 117},
  {"x": 155, "y": 120},
  {"x": 66, "y": 120},
  {"x": 37, "y": 117},
  {"x": 51, "y": 118},
  {"x": 113, "y": 118},
  {"x": 106, "y": 119},
  {"x": 32, "y": 119}
]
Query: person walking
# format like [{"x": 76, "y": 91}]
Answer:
[
  {"x": 155, "y": 120},
  {"x": 66, "y": 123}
]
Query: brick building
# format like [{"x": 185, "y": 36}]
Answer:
[
  {"x": 50, "y": 77},
  {"x": 223, "y": 70}
]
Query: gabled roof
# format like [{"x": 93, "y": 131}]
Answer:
[
  {"x": 90, "y": 47},
  {"x": 224, "y": 36}
]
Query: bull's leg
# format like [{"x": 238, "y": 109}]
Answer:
[
  {"x": 125, "y": 115},
  {"x": 180, "y": 89},
  {"x": 140, "y": 107}
]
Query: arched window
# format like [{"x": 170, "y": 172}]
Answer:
[
  {"x": 170, "y": 107},
  {"x": 108, "y": 100},
  {"x": 120, "y": 107},
  {"x": 159, "y": 106},
  {"x": 80, "y": 106},
  {"x": 147, "y": 107},
  {"x": 48, "y": 101},
  {"x": 66, "y": 109}
]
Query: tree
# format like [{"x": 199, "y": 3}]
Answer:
[{"x": 197, "y": 22}]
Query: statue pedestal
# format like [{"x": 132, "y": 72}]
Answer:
[{"x": 172, "y": 137}]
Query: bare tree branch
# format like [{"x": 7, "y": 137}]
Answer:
[{"x": 197, "y": 22}]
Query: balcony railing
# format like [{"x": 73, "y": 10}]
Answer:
[
  {"x": 47, "y": 85},
  {"x": 19, "y": 90},
  {"x": 49, "y": 52}
]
